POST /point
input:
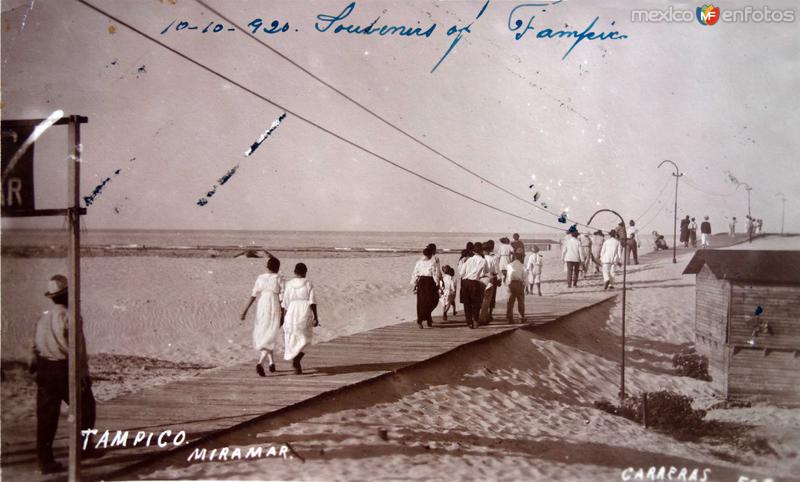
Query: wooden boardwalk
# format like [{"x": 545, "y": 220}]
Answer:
[{"x": 218, "y": 400}]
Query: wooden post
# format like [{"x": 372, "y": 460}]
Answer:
[{"x": 75, "y": 328}]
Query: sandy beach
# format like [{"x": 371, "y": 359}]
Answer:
[{"x": 523, "y": 409}]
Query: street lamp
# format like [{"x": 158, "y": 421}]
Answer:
[
  {"x": 677, "y": 175},
  {"x": 749, "y": 217},
  {"x": 624, "y": 276},
  {"x": 783, "y": 208}
]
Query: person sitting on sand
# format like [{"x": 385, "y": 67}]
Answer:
[
  {"x": 609, "y": 256},
  {"x": 267, "y": 326},
  {"x": 448, "y": 293},
  {"x": 533, "y": 268},
  {"x": 425, "y": 280},
  {"x": 300, "y": 318}
]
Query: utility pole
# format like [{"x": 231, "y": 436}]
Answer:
[
  {"x": 783, "y": 208},
  {"x": 677, "y": 175}
]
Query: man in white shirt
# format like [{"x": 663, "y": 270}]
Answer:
[
  {"x": 50, "y": 350},
  {"x": 515, "y": 279},
  {"x": 572, "y": 254},
  {"x": 609, "y": 256},
  {"x": 471, "y": 271},
  {"x": 633, "y": 243}
]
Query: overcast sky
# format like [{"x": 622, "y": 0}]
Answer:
[{"x": 591, "y": 127}]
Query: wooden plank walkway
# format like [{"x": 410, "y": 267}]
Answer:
[{"x": 221, "y": 399}]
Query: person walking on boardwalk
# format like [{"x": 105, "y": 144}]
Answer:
[
  {"x": 597, "y": 243},
  {"x": 425, "y": 280},
  {"x": 471, "y": 272},
  {"x": 586, "y": 252},
  {"x": 685, "y": 231},
  {"x": 515, "y": 280},
  {"x": 301, "y": 316},
  {"x": 516, "y": 244},
  {"x": 505, "y": 254},
  {"x": 466, "y": 253},
  {"x": 438, "y": 265},
  {"x": 705, "y": 233},
  {"x": 572, "y": 255},
  {"x": 49, "y": 362},
  {"x": 448, "y": 291},
  {"x": 266, "y": 329},
  {"x": 633, "y": 242},
  {"x": 533, "y": 269},
  {"x": 693, "y": 233},
  {"x": 490, "y": 291},
  {"x": 609, "y": 256},
  {"x": 732, "y": 227}
]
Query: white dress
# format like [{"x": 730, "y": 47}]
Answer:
[
  {"x": 268, "y": 311},
  {"x": 298, "y": 296}
]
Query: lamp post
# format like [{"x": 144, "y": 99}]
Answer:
[
  {"x": 624, "y": 276},
  {"x": 677, "y": 175},
  {"x": 749, "y": 217},
  {"x": 783, "y": 208}
]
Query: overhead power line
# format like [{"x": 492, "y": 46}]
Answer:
[
  {"x": 309, "y": 121},
  {"x": 376, "y": 115}
]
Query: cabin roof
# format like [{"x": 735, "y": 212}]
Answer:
[{"x": 748, "y": 265}]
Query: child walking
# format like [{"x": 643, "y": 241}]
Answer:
[{"x": 448, "y": 290}]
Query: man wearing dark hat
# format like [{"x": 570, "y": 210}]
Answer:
[{"x": 50, "y": 350}]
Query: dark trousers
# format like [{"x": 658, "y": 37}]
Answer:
[
  {"x": 573, "y": 267},
  {"x": 516, "y": 292},
  {"x": 427, "y": 298},
  {"x": 485, "y": 311},
  {"x": 633, "y": 249},
  {"x": 473, "y": 296},
  {"x": 52, "y": 380}
]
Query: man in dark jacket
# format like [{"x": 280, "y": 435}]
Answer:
[{"x": 705, "y": 233}]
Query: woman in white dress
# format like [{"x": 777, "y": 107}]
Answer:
[
  {"x": 268, "y": 313},
  {"x": 301, "y": 316}
]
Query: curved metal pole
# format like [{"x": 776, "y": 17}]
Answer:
[
  {"x": 624, "y": 280},
  {"x": 677, "y": 175}
]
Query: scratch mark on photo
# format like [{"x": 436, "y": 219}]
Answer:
[{"x": 89, "y": 200}]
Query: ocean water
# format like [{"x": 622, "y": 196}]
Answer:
[{"x": 271, "y": 240}]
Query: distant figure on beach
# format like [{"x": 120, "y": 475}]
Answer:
[
  {"x": 685, "y": 231},
  {"x": 572, "y": 255},
  {"x": 471, "y": 272},
  {"x": 49, "y": 362},
  {"x": 732, "y": 227},
  {"x": 267, "y": 327},
  {"x": 515, "y": 279},
  {"x": 505, "y": 253},
  {"x": 425, "y": 281},
  {"x": 301, "y": 316},
  {"x": 448, "y": 291},
  {"x": 759, "y": 225},
  {"x": 693, "y": 233},
  {"x": 533, "y": 268},
  {"x": 597, "y": 243},
  {"x": 705, "y": 233},
  {"x": 610, "y": 256},
  {"x": 490, "y": 291}
]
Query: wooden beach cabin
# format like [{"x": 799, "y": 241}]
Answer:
[{"x": 747, "y": 321}]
